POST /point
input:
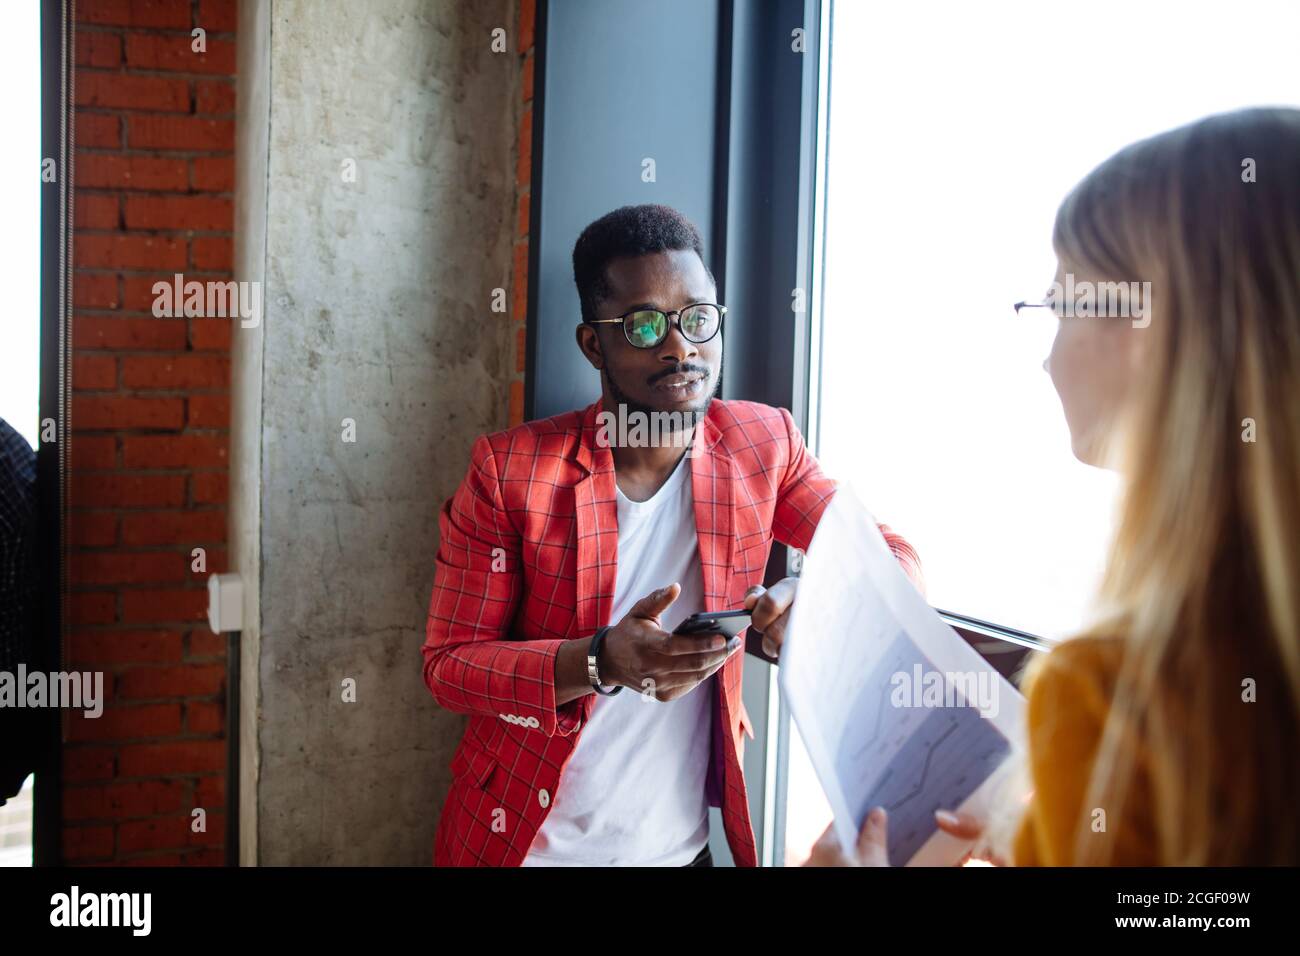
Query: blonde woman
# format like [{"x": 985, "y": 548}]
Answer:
[{"x": 1169, "y": 733}]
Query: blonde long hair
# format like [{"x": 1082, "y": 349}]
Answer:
[{"x": 1203, "y": 581}]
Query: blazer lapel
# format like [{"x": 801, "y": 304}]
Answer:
[
  {"x": 596, "y": 513},
  {"x": 713, "y": 487},
  {"x": 711, "y": 483}
]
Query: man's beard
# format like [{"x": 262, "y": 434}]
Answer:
[{"x": 687, "y": 418}]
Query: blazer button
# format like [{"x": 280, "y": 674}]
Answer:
[{"x": 544, "y": 797}]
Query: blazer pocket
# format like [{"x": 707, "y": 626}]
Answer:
[
  {"x": 751, "y": 549},
  {"x": 474, "y": 764}
]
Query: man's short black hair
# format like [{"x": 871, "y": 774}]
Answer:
[{"x": 628, "y": 231}]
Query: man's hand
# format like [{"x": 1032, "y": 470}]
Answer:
[
  {"x": 639, "y": 654},
  {"x": 769, "y": 610}
]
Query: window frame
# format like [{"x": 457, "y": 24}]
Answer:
[{"x": 57, "y": 139}]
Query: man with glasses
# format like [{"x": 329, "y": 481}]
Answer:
[{"x": 570, "y": 553}]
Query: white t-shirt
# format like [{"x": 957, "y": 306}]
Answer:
[{"x": 633, "y": 793}]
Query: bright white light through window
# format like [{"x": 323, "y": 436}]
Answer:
[{"x": 20, "y": 174}]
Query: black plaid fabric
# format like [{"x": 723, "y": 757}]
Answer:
[{"x": 17, "y": 597}]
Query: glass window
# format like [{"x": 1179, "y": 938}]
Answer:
[{"x": 21, "y": 173}]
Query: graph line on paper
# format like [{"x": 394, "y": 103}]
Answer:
[{"x": 912, "y": 760}]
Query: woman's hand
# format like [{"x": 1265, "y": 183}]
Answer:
[
  {"x": 870, "y": 851},
  {"x": 966, "y": 826},
  {"x": 872, "y": 848}
]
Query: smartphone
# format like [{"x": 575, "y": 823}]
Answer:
[{"x": 729, "y": 623}]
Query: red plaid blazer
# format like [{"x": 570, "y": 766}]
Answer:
[{"x": 527, "y": 561}]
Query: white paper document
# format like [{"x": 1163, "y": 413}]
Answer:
[{"x": 895, "y": 709}]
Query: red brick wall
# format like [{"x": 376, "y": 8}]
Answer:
[
  {"x": 150, "y": 417},
  {"x": 523, "y": 180}
]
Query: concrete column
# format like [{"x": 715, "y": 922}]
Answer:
[{"x": 377, "y": 298}]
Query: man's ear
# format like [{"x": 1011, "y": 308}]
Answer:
[{"x": 589, "y": 344}]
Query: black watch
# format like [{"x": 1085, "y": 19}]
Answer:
[{"x": 593, "y": 655}]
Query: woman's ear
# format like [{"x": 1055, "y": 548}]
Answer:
[{"x": 589, "y": 344}]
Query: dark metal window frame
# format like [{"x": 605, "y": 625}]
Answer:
[{"x": 57, "y": 141}]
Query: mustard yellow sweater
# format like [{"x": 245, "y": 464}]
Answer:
[{"x": 1068, "y": 693}]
